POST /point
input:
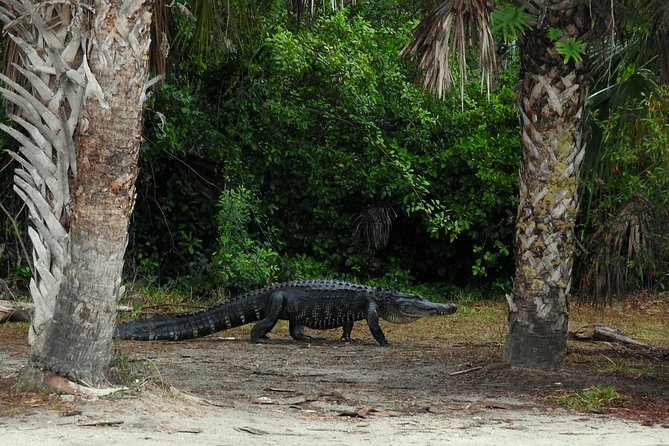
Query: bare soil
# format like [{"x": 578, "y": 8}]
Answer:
[
  {"x": 423, "y": 378},
  {"x": 413, "y": 375}
]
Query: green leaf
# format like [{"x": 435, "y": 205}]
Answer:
[
  {"x": 571, "y": 48},
  {"x": 555, "y": 34},
  {"x": 511, "y": 21}
]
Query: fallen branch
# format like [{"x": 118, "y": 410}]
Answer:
[
  {"x": 124, "y": 309},
  {"x": 55, "y": 381},
  {"x": 462, "y": 372},
  {"x": 251, "y": 430},
  {"x": 16, "y": 311},
  {"x": 99, "y": 423},
  {"x": 363, "y": 412},
  {"x": 607, "y": 334}
]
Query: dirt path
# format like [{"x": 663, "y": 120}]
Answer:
[
  {"x": 158, "y": 420},
  {"x": 332, "y": 392}
]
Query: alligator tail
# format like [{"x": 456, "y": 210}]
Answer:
[{"x": 222, "y": 316}]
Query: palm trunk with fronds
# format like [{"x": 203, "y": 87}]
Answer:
[
  {"x": 552, "y": 105},
  {"x": 85, "y": 70}
]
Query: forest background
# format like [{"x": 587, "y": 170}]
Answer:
[{"x": 277, "y": 151}]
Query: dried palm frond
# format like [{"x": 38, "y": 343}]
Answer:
[
  {"x": 624, "y": 256},
  {"x": 11, "y": 56},
  {"x": 373, "y": 226},
  {"x": 160, "y": 30},
  {"x": 46, "y": 104},
  {"x": 447, "y": 31}
]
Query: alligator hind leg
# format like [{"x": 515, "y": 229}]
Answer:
[
  {"x": 297, "y": 333},
  {"x": 346, "y": 332},
  {"x": 273, "y": 310}
]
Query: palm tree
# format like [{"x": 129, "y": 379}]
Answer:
[
  {"x": 78, "y": 91},
  {"x": 83, "y": 78},
  {"x": 552, "y": 100},
  {"x": 552, "y": 106}
]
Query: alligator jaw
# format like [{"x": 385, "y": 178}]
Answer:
[
  {"x": 408, "y": 308},
  {"x": 427, "y": 308}
]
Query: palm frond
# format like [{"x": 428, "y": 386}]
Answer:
[
  {"x": 625, "y": 256},
  {"x": 444, "y": 36},
  {"x": 658, "y": 12},
  {"x": 46, "y": 42},
  {"x": 160, "y": 31},
  {"x": 620, "y": 79}
]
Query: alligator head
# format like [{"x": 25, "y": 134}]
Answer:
[{"x": 403, "y": 308}]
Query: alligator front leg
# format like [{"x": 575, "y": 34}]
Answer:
[
  {"x": 273, "y": 308},
  {"x": 373, "y": 323},
  {"x": 297, "y": 333}
]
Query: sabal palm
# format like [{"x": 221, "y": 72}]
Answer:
[
  {"x": 552, "y": 100},
  {"x": 552, "y": 106},
  {"x": 623, "y": 245},
  {"x": 81, "y": 115}
]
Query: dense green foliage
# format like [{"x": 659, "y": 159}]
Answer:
[
  {"x": 15, "y": 267},
  {"x": 626, "y": 219},
  {"x": 279, "y": 150},
  {"x": 346, "y": 166}
]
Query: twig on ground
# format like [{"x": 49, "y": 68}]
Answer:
[{"x": 462, "y": 372}]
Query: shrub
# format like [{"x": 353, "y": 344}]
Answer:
[{"x": 241, "y": 262}]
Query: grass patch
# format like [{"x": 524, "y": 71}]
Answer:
[
  {"x": 630, "y": 368},
  {"x": 16, "y": 327},
  {"x": 478, "y": 320},
  {"x": 592, "y": 399},
  {"x": 163, "y": 299}
]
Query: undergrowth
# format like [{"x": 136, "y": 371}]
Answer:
[{"x": 592, "y": 399}]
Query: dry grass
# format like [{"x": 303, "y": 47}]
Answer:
[{"x": 642, "y": 316}]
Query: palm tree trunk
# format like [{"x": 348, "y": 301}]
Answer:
[
  {"x": 552, "y": 104},
  {"x": 87, "y": 64},
  {"x": 78, "y": 341}
]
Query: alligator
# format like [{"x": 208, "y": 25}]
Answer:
[{"x": 318, "y": 304}]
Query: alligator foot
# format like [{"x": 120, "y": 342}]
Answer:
[
  {"x": 263, "y": 340},
  {"x": 297, "y": 333}
]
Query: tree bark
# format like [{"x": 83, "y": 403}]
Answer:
[
  {"x": 552, "y": 105},
  {"x": 86, "y": 64},
  {"x": 78, "y": 339}
]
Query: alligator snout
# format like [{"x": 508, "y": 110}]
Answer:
[{"x": 449, "y": 308}]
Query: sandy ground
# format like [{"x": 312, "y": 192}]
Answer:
[
  {"x": 223, "y": 390},
  {"x": 154, "y": 419}
]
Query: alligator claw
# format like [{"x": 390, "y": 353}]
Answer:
[{"x": 263, "y": 340}]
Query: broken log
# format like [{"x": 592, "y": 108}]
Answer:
[
  {"x": 16, "y": 311},
  {"x": 607, "y": 334}
]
